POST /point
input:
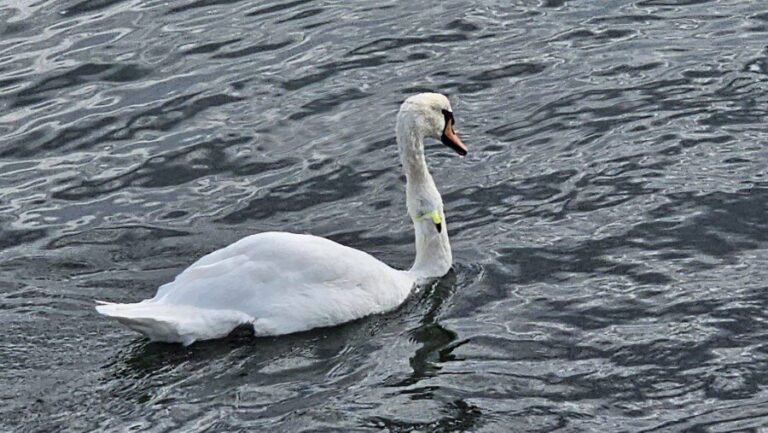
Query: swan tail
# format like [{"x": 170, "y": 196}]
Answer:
[{"x": 183, "y": 324}]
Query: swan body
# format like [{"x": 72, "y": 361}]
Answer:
[{"x": 281, "y": 283}]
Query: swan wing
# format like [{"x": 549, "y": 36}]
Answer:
[{"x": 289, "y": 282}]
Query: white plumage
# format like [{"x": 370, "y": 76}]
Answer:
[{"x": 282, "y": 283}]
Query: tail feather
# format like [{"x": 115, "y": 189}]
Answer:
[{"x": 175, "y": 323}]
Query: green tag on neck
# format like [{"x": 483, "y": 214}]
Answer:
[{"x": 435, "y": 217}]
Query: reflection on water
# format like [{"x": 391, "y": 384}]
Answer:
[{"x": 608, "y": 225}]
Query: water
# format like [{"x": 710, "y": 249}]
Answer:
[{"x": 609, "y": 224}]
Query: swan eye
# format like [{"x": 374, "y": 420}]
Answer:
[
  {"x": 448, "y": 117},
  {"x": 449, "y": 137}
]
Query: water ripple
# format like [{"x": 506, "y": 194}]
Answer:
[{"x": 608, "y": 225}]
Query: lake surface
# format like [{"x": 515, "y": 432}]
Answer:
[{"x": 609, "y": 223}]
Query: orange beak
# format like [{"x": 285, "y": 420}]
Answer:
[{"x": 452, "y": 140}]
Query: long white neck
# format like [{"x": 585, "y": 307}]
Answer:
[{"x": 433, "y": 250}]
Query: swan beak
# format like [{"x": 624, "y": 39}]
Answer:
[{"x": 452, "y": 140}]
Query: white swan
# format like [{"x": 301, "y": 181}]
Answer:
[{"x": 283, "y": 282}]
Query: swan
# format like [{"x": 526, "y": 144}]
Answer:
[{"x": 281, "y": 283}]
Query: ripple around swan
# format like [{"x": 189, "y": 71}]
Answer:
[{"x": 608, "y": 225}]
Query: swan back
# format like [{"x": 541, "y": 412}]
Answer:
[{"x": 289, "y": 282}]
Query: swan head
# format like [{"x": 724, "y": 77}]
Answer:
[{"x": 430, "y": 114}]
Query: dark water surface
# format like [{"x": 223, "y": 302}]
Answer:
[{"x": 609, "y": 224}]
